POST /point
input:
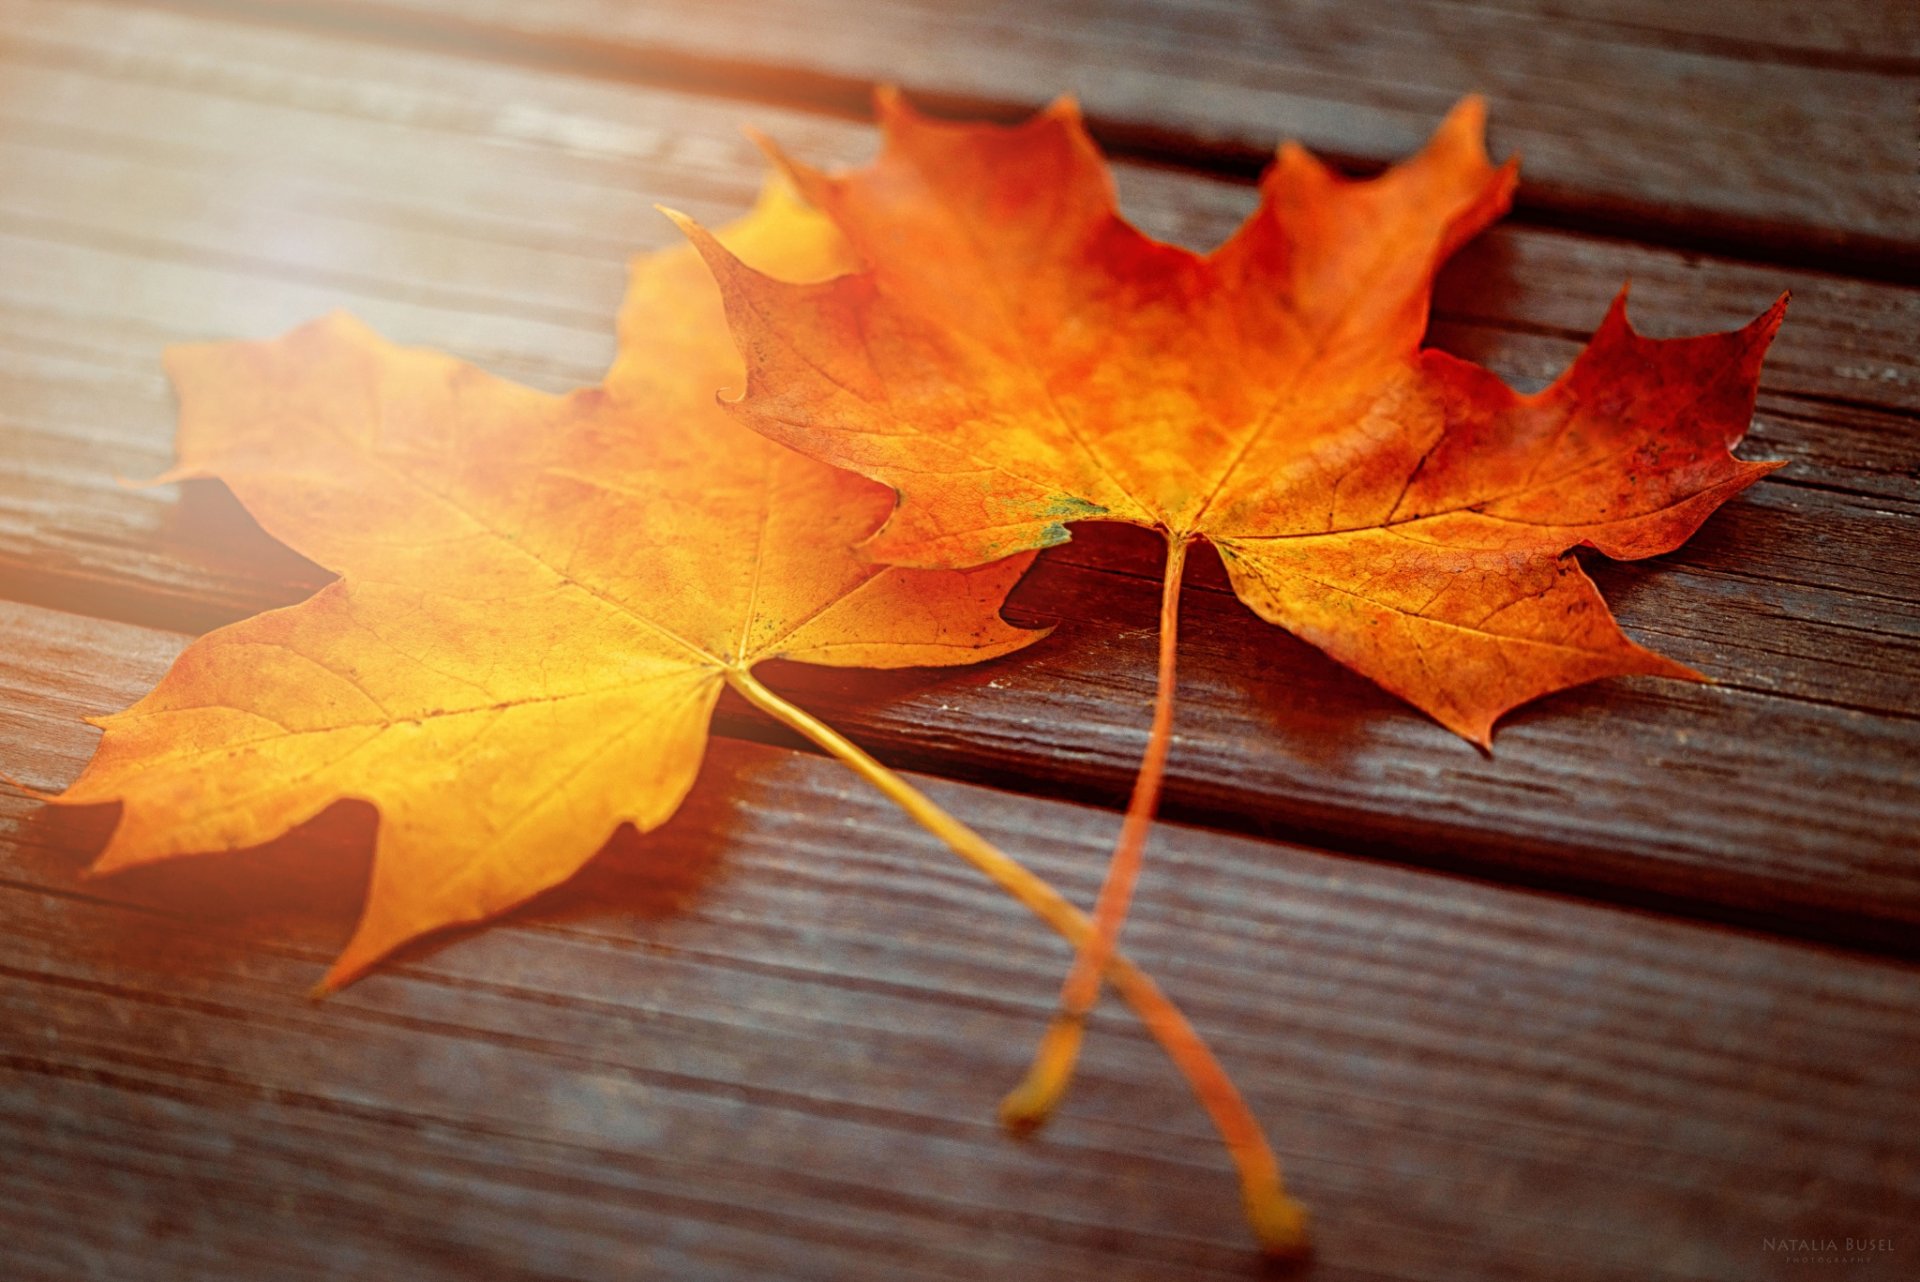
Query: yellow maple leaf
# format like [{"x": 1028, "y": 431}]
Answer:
[{"x": 541, "y": 598}]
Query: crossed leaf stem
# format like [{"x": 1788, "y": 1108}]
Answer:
[
  {"x": 1277, "y": 1221},
  {"x": 1032, "y": 1102},
  {"x": 1276, "y": 1218}
]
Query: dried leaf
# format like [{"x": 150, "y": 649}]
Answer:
[
  {"x": 540, "y": 600},
  {"x": 1015, "y": 357}
]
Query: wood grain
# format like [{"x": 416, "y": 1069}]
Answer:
[
  {"x": 241, "y": 180},
  {"x": 1782, "y": 128},
  {"x": 766, "y": 1042}
]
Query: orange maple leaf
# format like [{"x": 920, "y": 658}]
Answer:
[
  {"x": 541, "y": 598},
  {"x": 1013, "y": 357}
]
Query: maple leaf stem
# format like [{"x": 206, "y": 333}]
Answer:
[
  {"x": 1029, "y": 1104},
  {"x": 1277, "y": 1221}
]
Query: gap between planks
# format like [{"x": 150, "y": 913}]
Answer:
[{"x": 1555, "y": 204}]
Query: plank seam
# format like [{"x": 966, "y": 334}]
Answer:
[{"x": 1860, "y": 255}]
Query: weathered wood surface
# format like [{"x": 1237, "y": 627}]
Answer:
[
  {"x": 1775, "y": 125},
  {"x": 766, "y": 1043},
  {"x": 405, "y": 205}
]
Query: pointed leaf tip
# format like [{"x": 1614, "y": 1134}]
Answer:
[
  {"x": 27, "y": 789},
  {"x": 1468, "y": 114},
  {"x": 890, "y": 103},
  {"x": 1616, "y": 317},
  {"x": 1775, "y": 315},
  {"x": 794, "y": 172}
]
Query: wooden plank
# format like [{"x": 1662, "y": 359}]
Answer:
[
  {"x": 1862, "y": 30},
  {"x": 1780, "y": 128},
  {"x": 544, "y": 162},
  {"x": 239, "y": 181},
  {"x": 766, "y": 1042}
]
